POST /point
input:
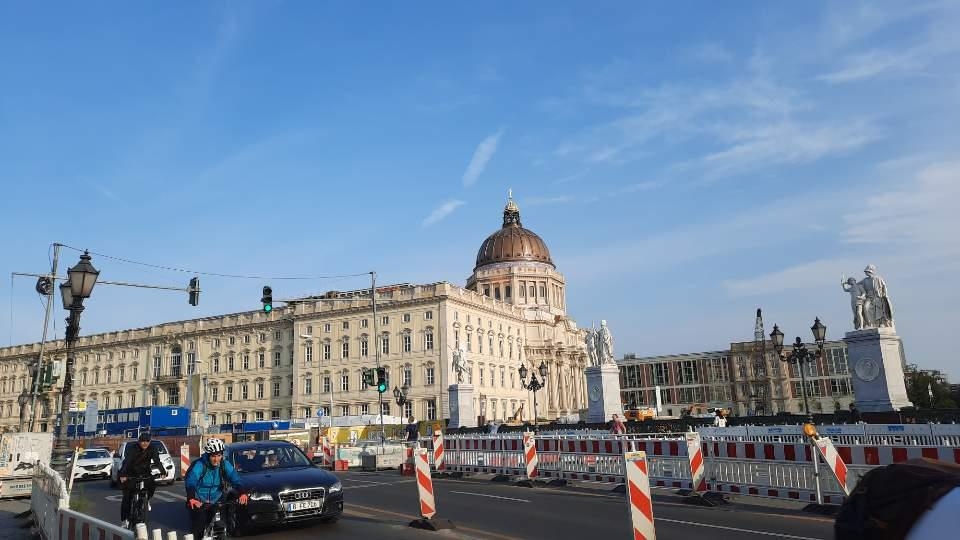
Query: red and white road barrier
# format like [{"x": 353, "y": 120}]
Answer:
[
  {"x": 328, "y": 457},
  {"x": 438, "y": 450},
  {"x": 698, "y": 473},
  {"x": 428, "y": 506},
  {"x": 184, "y": 459},
  {"x": 834, "y": 461},
  {"x": 77, "y": 526},
  {"x": 530, "y": 455},
  {"x": 638, "y": 496}
]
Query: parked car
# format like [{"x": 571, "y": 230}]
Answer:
[
  {"x": 93, "y": 463},
  {"x": 284, "y": 487},
  {"x": 169, "y": 472}
]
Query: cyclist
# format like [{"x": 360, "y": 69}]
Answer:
[
  {"x": 204, "y": 483},
  {"x": 139, "y": 462}
]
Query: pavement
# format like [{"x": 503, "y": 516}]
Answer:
[
  {"x": 383, "y": 503},
  {"x": 11, "y": 526}
]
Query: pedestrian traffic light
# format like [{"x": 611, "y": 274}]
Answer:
[
  {"x": 267, "y": 299},
  {"x": 194, "y": 290},
  {"x": 369, "y": 377},
  {"x": 381, "y": 380}
]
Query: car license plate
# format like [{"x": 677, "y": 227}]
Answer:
[{"x": 302, "y": 505}]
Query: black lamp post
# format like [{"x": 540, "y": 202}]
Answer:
[
  {"x": 801, "y": 355},
  {"x": 78, "y": 287},
  {"x": 534, "y": 385}
]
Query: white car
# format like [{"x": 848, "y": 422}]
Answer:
[
  {"x": 93, "y": 463},
  {"x": 169, "y": 471}
]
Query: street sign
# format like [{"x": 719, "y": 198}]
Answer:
[
  {"x": 72, "y": 406},
  {"x": 90, "y": 417},
  {"x": 320, "y": 412}
]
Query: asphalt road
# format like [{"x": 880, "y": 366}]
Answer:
[{"x": 384, "y": 503}]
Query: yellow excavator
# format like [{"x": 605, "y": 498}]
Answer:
[{"x": 516, "y": 419}]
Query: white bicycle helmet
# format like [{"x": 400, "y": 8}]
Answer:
[{"x": 214, "y": 446}]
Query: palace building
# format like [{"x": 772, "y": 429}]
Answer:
[{"x": 310, "y": 354}]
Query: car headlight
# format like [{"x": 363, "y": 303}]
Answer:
[
  {"x": 261, "y": 497},
  {"x": 335, "y": 488}
]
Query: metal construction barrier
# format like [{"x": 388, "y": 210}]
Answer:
[
  {"x": 73, "y": 524},
  {"x": 767, "y": 461},
  {"x": 48, "y": 495}
]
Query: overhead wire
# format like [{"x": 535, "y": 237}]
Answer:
[{"x": 217, "y": 274}]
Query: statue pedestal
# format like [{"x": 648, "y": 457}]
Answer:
[
  {"x": 876, "y": 367},
  {"x": 462, "y": 413},
  {"x": 603, "y": 393}
]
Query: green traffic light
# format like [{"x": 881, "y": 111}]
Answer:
[
  {"x": 267, "y": 308},
  {"x": 382, "y": 387}
]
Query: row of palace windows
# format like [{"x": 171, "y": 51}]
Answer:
[{"x": 499, "y": 350}]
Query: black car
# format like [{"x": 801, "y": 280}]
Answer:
[{"x": 284, "y": 487}]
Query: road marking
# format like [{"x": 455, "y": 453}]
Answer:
[
  {"x": 380, "y": 484},
  {"x": 491, "y": 496},
  {"x": 406, "y": 517},
  {"x": 164, "y": 496},
  {"x": 735, "y": 529}
]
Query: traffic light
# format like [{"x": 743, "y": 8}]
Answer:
[
  {"x": 267, "y": 299},
  {"x": 381, "y": 380},
  {"x": 368, "y": 377},
  {"x": 194, "y": 290}
]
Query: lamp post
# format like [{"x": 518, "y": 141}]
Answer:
[
  {"x": 400, "y": 396},
  {"x": 799, "y": 356},
  {"x": 534, "y": 385},
  {"x": 79, "y": 286},
  {"x": 483, "y": 410}
]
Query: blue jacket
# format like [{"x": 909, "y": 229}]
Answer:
[{"x": 205, "y": 483}]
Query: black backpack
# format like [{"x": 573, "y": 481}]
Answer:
[{"x": 889, "y": 500}]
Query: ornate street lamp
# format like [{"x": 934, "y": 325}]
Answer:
[
  {"x": 799, "y": 356},
  {"x": 79, "y": 286},
  {"x": 534, "y": 385}
]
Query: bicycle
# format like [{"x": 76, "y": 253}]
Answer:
[
  {"x": 217, "y": 528},
  {"x": 138, "y": 506}
]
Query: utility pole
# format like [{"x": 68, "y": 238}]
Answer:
[
  {"x": 51, "y": 282},
  {"x": 376, "y": 345},
  {"x": 761, "y": 384}
]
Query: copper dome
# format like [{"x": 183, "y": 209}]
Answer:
[{"x": 512, "y": 242}]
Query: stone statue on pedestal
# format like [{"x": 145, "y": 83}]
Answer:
[
  {"x": 591, "y": 343},
  {"x": 869, "y": 301},
  {"x": 604, "y": 344},
  {"x": 460, "y": 363}
]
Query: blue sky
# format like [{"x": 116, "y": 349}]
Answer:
[{"x": 685, "y": 165}]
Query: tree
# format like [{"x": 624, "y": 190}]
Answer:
[{"x": 921, "y": 385}]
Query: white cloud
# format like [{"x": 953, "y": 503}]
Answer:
[
  {"x": 787, "y": 143},
  {"x": 541, "y": 201},
  {"x": 442, "y": 211},
  {"x": 872, "y": 64},
  {"x": 811, "y": 275},
  {"x": 481, "y": 156},
  {"x": 639, "y": 186}
]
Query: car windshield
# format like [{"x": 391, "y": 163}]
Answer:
[
  {"x": 263, "y": 458},
  {"x": 156, "y": 444},
  {"x": 94, "y": 454}
]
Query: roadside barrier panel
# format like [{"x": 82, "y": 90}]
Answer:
[
  {"x": 48, "y": 495},
  {"x": 638, "y": 496},
  {"x": 530, "y": 455},
  {"x": 77, "y": 526}
]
